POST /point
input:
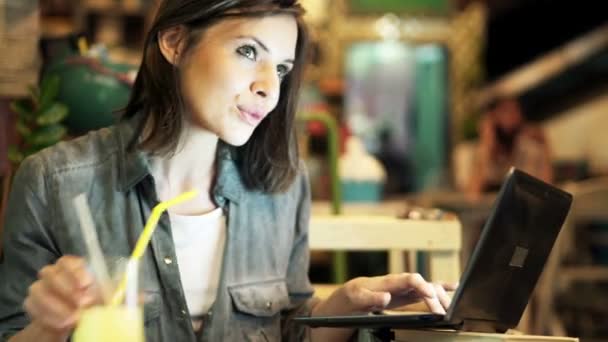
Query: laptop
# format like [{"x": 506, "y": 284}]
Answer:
[{"x": 502, "y": 272}]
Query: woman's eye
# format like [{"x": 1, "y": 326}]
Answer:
[
  {"x": 282, "y": 71},
  {"x": 248, "y": 51}
]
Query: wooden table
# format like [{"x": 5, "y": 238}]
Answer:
[
  {"x": 402, "y": 335},
  {"x": 452, "y": 336}
]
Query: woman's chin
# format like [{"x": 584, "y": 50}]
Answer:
[{"x": 236, "y": 139}]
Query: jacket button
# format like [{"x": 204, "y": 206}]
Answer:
[
  {"x": 168, "y": 261},
  {"x": 268, "y": 305}
]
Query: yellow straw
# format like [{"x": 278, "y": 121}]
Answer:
[{"x": 146, "y": 235}]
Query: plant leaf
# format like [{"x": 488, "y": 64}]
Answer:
[
  {"x": 47, "y": 135},
  {"x": 35, "y": 96},
  {"x": 14, "y": 155},
  {"x": 49, "y": 88},
  {"x": 54, "y": 114},
  {"x": 33, "y": 149},
  {"x": 23, "y": 129},
  {"x": 23, "y": 108}
]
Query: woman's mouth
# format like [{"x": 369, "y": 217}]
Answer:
[{"x": 253, "y": 118}]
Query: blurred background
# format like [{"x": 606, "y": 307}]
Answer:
[{"x": 408, "y": 105}]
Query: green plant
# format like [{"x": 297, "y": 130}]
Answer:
[{"x": 39, "y": 119}]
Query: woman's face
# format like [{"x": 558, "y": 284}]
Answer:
[
  {"x": 231, "y": 78},
  {"x": 508, "y": 116}
]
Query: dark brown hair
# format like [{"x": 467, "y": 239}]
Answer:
[{"x": 269, "y": 160}]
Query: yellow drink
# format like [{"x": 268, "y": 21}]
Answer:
[{"x": 110, "y": 323}]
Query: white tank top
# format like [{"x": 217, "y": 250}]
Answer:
[{"x": 199, "y": 245}]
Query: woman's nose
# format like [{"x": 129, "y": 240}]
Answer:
[{"x": 266, "y": 85}]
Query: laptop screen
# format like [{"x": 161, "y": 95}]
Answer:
[{"x": 510, "y": 255}]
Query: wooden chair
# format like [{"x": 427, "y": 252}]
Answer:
[
  {"x": 590, "y": 203},
  {"x": 440, "y": 238}
]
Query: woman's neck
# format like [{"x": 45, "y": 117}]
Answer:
[{"x": 192, "y": 167}]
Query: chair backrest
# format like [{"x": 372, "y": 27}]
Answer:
[{"x": 441, "y": 238}]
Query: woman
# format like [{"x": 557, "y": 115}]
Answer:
[
  {"x": 506, "y": 139},
  {"x": 212, "y": 109}
]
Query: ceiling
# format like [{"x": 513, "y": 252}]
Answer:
[
  {"x": 522, "y": 31},
  {"x": 519, "y": 31}
]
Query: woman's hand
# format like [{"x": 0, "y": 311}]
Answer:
[
  {"x": 394, "y": 290},
  {"x": 55, "y": 300},
  {"x": 487, "y": 134},
  {"x": 367, "y": 294}
]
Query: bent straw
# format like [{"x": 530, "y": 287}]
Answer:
[
  {"x": 146, "y": 235},
  {"x": 98, "y": 264}
]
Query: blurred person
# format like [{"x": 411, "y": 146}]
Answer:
[{"x": 506, "y": 139}]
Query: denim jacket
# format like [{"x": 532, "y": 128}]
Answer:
[{"x": 264, "y": 279}]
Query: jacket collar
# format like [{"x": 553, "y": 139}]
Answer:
[
  {"x": 134, "y": 166},
  {"x": 229, "y": 183}
]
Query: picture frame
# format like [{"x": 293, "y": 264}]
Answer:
[{"x": 461, "y": 32}]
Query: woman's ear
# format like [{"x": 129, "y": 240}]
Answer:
[{"x": 171, "y": 42}]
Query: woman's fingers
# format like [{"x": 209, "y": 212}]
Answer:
[
  {"x": 450, "y": 286},
  {"x": 414, "y": 287},
  {"x": 408, "y": 282},
  {"x": 434, "y": 304},
  {"x": 57, "y": 282},
  {"x": 402, "y": 283},
  {"x": 365, "y": 299},
  {"x": 45, "y": 307},
  {"x": 398, "y": 289},
  {"x": 76, "y": 269},
  {"x": 443, "y": 296},
  {"x": 62, "y": 289}
]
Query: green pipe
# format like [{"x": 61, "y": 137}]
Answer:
[{"x": 339, "y": 260}]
